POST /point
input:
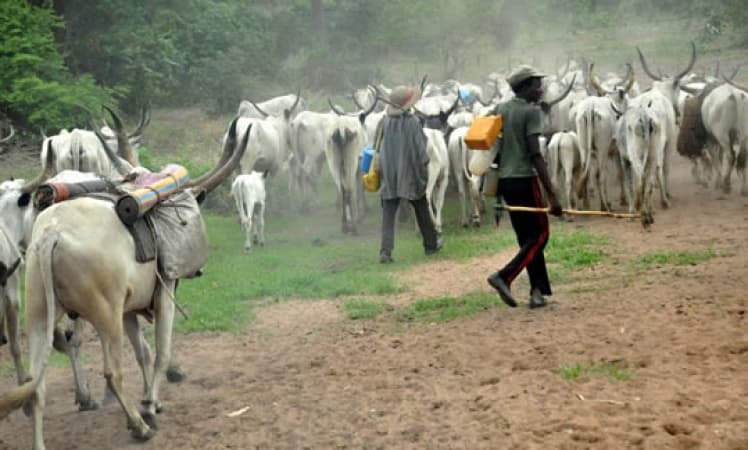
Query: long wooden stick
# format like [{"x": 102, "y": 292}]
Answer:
[{"x": 573, "y": 212}]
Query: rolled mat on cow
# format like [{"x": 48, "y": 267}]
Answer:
[
  {"x": 153, "y": 188},
  {"x": 54, "y": 191}
]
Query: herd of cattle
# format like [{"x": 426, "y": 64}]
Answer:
[{"x": 598, "y": 131}]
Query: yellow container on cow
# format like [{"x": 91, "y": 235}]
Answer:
[{"x": 483, "y": 132}]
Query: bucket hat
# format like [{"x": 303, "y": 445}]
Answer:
[{"x": 403, "y": 98}]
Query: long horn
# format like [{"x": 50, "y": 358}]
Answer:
[
  {"x": 228, "y": 149},
  {"x": 46, "y": 172},
  {"x": 453, "y": 107},
  {"x": 8, "y": 137},
  {"x": 423, "y": 82},
  {"x": 690, "y": 65},
  {"x": 690, "y": 90},
  {"x": 735, "y": 85},
  {"x": 122, "y": 166},
  {"x": 629, "y": 78},
  {"x": 335, "y": 108},
  {"x": 564, "y": 94},
  {"x": 716, "y": 70},
  {"x": 595, "y": 84},
  {"x": 566, "y": 69},
  {"x": 370, "y": 109},
  {"x": 41, "y": 131},
  {"x": 220, "y": 175},
  {"x": 145, "y": 120},
  {"x": 123, "y": 144},
  {"x": 296, "y": 103},
  {"x": 264, "y": 114},
  {"x": 646, "y": 67},
  {"x": 386, "y": 101}
]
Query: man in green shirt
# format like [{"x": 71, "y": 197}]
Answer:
[{"x": 521, "y": 170}]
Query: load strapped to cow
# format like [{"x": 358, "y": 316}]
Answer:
[
  {"x": 165, "y": 221},
  {"x": 693, "y": 136}
]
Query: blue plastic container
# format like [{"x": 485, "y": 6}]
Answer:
[
  {"x": 366, "y": 155},
  {"x": 465, "y": 95}
]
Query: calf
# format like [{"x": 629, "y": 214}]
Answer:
[{"x": 249, "y": 192}]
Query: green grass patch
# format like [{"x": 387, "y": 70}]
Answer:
[
  {"x": 363, "y": 309},
  {"x": 682, "y": 258},
  {"x": 444, "y": 309},
  {"x": 613, "y": 370},
  {"x": 573, "y": 249}
]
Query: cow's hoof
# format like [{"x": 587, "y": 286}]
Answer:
[
  {"x": 27, "y": 410},
  {"x": 150, "y": 419},
  {"x": 3, "y": 340},
  {"x": 87, "y": 405},
  {"x": 743, "y": 192},
  {"x": 665, "y": 204},
  {"x": 142, "y": 435},
  {"x": 175, "y": 375}
]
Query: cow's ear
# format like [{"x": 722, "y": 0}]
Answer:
[
  {"x": 24, "y": 200},
  {"x": 362, "y": 118},
  {"x": 287, "y": 114},
  {"x": 545, "y": 107}
]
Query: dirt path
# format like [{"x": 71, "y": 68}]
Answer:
[{"x": 313, "y": 379}]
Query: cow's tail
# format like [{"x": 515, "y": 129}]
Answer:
[
  {"x": 40, "y": 345},
  {"x": 586, "y": 155}
]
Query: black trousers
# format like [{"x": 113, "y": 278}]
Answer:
[
  {"x": 532, "y": 232},
  {"x": 423, "y": 217}
]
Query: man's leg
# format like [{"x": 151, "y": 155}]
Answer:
[
  {"x": 389, "y": 211},
  {"x": 425, "y": 224}
]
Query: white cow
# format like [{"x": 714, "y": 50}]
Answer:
[
  {"x": 342, "y": 153},
  {"x": 310, "y": 133},
  {"x": 82, "y": 150},
  {"x": 438, "y": 174},
  {"x": 248, "y": 191},
  {"x": 564, "y": 161},
  {"x": 725, "y": 116},
  {"x": 646, "y": 136},
  {"x": 10, "y": 299},
  {"x": 64, "y": 275},
  {"x": 596, "y": 121},
  {"x": 468, "y": 185}
]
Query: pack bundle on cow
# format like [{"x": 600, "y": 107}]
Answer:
[
  {"x": 692, "y": 137},
  {"x": 164, "y": 221}
]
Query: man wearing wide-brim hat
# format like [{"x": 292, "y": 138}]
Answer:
[
  {"x": 403, "y": 164},
  {"x": 521, "y": 170}
]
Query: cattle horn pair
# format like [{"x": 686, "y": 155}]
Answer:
[
  {"x": 286, "y": 112},
  {"x": 48, "y": 168},
  {"x": 361, "y": 115},
  {"x": 123, "y": 141},
  {"x": 676, "y": 77},
  {"x": 628, "y": 82},
  {"x": 355, "y": 100},
  {"x": 145, "y": 120}
]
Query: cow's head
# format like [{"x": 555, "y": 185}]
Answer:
[
  {"x": 618, "y": 95},
  {"x": 669, "y": 86},
  {"x": 16, "y": 212}
]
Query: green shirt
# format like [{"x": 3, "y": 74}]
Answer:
[{"x": 521, "y": 119}]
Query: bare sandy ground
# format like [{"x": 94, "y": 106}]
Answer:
[{"x": 313, "y": 379}]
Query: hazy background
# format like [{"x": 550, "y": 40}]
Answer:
[{"x": 209, "y": 54}]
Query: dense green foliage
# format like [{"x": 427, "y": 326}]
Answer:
[{"x": 58, "y": 55}]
